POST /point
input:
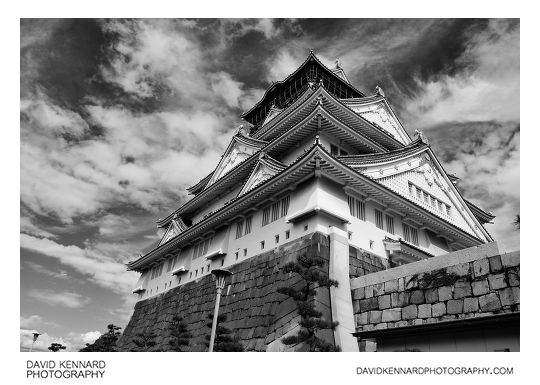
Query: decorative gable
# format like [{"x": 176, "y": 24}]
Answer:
[
  {"x": 420, "y": 179},
  {"x": 238, "y": 151},
  {"x": 173, "y": 230},
  {"x": 379, "y": 113},
  {"x": 266, "y": 168},
  {"x": 274, "y": 111}
]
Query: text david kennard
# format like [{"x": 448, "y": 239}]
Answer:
[{"x": 65, "y": 369}]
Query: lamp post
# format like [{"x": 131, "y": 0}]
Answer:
[
  {"x": 220, "y": 275},
  {"x": 36, "y": 335}
]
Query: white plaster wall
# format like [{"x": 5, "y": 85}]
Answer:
[{"x": 315, "y": 192}]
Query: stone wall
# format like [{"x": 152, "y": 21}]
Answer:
[
  {"x": 362, "y": 262},
  {"x": 255, "y": 311},
  {"x": 437, "y": 290}
]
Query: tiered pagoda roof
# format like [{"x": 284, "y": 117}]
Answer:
[{"x": 311, "y": 101}]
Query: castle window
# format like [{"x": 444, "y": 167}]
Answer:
[
  {"x": 245, "y": 252},
  {"x": 275, "y": 211},
  {"x": 207, "y": 268},
  {"x": 419, "y": 193},
  {"x": 285, "y": 205},
  {"x": 379, "y": 219},
  {"x": 390, "y": 224},
  {"x": 239, "y": 229},
  {"x": 357, "y": 208},
  {"x": 305, "y": 227},
  {"x": 222, "y": 261},
  {"x": 266, "y": 216},
  {"x": 411, "y": 188},
  {"x": 277, "y": 238},
  {"x": 287, "y": 234},
  {"x": 201, "y": 248},
  {"x": 236, "y": 256},
  {"x": 262, "y": 245},
  {"x": 247, "y": 229},
  {"x": 410, "y": 234},
  {"x": 349, "y": 235}
]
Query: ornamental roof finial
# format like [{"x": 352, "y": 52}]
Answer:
[
  {"x": 242, "y": 130},
  {"x": 420, "y": 135},
  {"x": 337, "y": 63},
  {"x": 379, "y": 91}
]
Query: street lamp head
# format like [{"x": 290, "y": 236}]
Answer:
[{"x": 220, "y": 275}]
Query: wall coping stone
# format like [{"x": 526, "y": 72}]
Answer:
[{"x": 446, "y": 260}]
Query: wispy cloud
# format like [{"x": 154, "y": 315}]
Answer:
[
  {"x": 67, "y": 299},
  {"x": 100, "y": 269}
]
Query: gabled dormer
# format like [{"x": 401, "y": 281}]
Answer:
[
  {"x": 376, "y": 110},
  {"x": 176, "y": 226},
  {"x": 266, "y": 168},
  {"x": 415, "y": 173},
  {"x": 240, "y": 148}
]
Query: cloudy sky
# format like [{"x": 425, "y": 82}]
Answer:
[{"x": 118, "y": 117}]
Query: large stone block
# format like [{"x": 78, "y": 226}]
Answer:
[
  {"x": 375, "y": 316},
  {"x": 361, "y": 319},
  {"x": 399, "y": 299},
  {"x": 417, "y": 297},
  {"x": 445, "y": 293},
  {"x": 409, "y": 312},
  {"x": 462, "y": 289},
  {"x": 470, "y": 305},
  {"x": 495, "y": 264},
  {"x": 480, "y": 287},
  {"x": 481, "y": 267},
  {"x": 368, "y": 304},
  {"x": 378, "y": 289},
  {"x": 368, "y": 291},
  {"x": 411, "y": 282},
  {"x": 424, "y": 311},
  {"x": 510, "y": 259},
  {"x": 391, "y": 286},
  {"x": 513, "y": 276},
  {"x": 389, "y": 315},
  {"x": 509, "y": 296},
  {"x": 358, "y": 293},
  {"x": 384, "y": 301},
  {"x": 454, "y": 306},
  {"x": 497, "y": 281},
  {"x": 401, "y": 284},
  {"x": 462, "y": 270},
  {"x": 489, "y": 302},
  {"x": 431, "y": 295}
]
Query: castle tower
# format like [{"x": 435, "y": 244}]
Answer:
[{"x": 314, "y": 155}]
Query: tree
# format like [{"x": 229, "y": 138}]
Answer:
[
  {"x": 106, "y": 342},
  {"x": 56, "y": 347},
  {"x": 144, "y": 342},
  {"x": 311, "y": 321},
  {"x": 179, "y": 334},
  {"x": 225, "y": 340}
]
